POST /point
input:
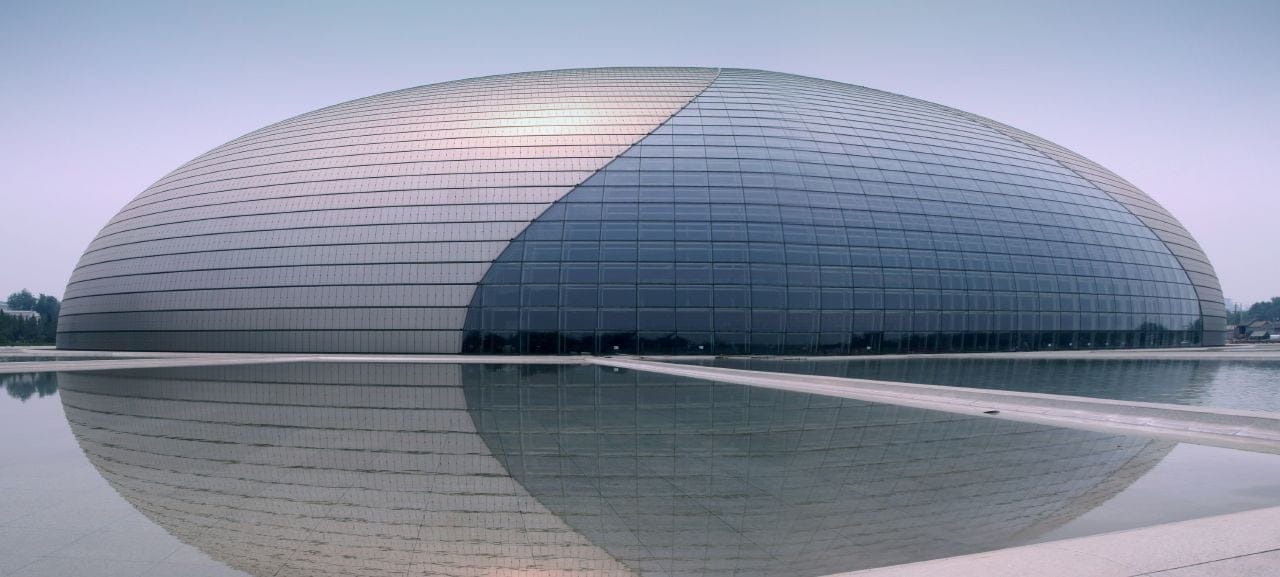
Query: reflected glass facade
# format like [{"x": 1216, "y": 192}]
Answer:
[
  {"x": 369, "y": 470},
  {"x": 653, "y": 211}
]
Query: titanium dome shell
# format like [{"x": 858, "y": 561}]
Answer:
[{"x": 640, "y": 210}]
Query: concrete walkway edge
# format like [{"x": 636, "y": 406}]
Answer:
[
  {"x": 1238, "y": 544},
  {"x": 1235, "y": 429}
]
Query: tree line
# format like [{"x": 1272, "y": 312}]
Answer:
[
  {"x": 1259, "y": 311},
  {"x": 23, "y": 386},
  {"x": 20, "y": 331},
  {"x": 16, "y": 330}
]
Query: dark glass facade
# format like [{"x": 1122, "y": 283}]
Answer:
[
  {"x": 647, "y": 210},
  {"x": 784, "y": 215}
]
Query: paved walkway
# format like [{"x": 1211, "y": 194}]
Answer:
[
  {"x": 1243, "y": 352},
  {"x": 93, "y": 360},
  {"x": 77, "y": 361},
  {"x": 1235, "y": 429},
  {"x": 1248, "y": 430},
  {"x": 1237, "y": 545},
  {"x": 1241, "y": 544}
]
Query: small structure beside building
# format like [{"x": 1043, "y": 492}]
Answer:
[
  {"x": 5, "y": 310},
  {"x": 1260, "y": 330}
]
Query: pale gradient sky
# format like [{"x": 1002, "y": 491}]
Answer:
[{"x": 100, "y": 99}]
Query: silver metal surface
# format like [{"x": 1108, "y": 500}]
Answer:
[{"x": 641, "y": 210}]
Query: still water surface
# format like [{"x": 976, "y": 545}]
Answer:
[
  {"x": 56, "y": 358},
  {"x": 388, "y": 469},
  {"x": 1223, "y": 384}
]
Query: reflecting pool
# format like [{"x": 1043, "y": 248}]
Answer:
[
  {"x": 1223, "y": 384},
  {"x": 23, "y": 386},
  {"x": 55, "y": 358},
  {"x": 391, "y": 469}
]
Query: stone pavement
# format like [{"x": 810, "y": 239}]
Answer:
[
  {"x": 1236, "y": 545},
  {"x": 1234, "y": 429}
]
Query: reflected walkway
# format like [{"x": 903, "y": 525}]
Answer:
[
  {"x": 1236, "y": 429},
  {"x": 376, "y": 469}
]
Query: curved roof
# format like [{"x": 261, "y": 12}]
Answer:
[{"x": 367, "y": 226}]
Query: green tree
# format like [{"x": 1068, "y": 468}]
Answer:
[
  {"x": 23, "y": 386},
  {"x": 48, "y": 307},
  {"x": 20, "y": 331},
  {"x": 22, "y": 300},
  {"x": 1262, "y": 311}
]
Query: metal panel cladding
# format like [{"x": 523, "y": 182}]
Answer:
[
  {"x": 652, "y": 210},
  {"x": 360, "y": 227}
]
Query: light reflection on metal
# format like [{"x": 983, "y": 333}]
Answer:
[{"x": 726, "y": 211}]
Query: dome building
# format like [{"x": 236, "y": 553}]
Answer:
[
  {"x": 369, "y": 470},
  {"x": 641, "y": 210}
]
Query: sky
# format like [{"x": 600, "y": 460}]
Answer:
[{"x": 100, "y": 99}]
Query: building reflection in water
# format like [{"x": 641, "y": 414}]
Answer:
[
  {"x": 1188, "y": 382},
  {"x": 386, "y": 469}
]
